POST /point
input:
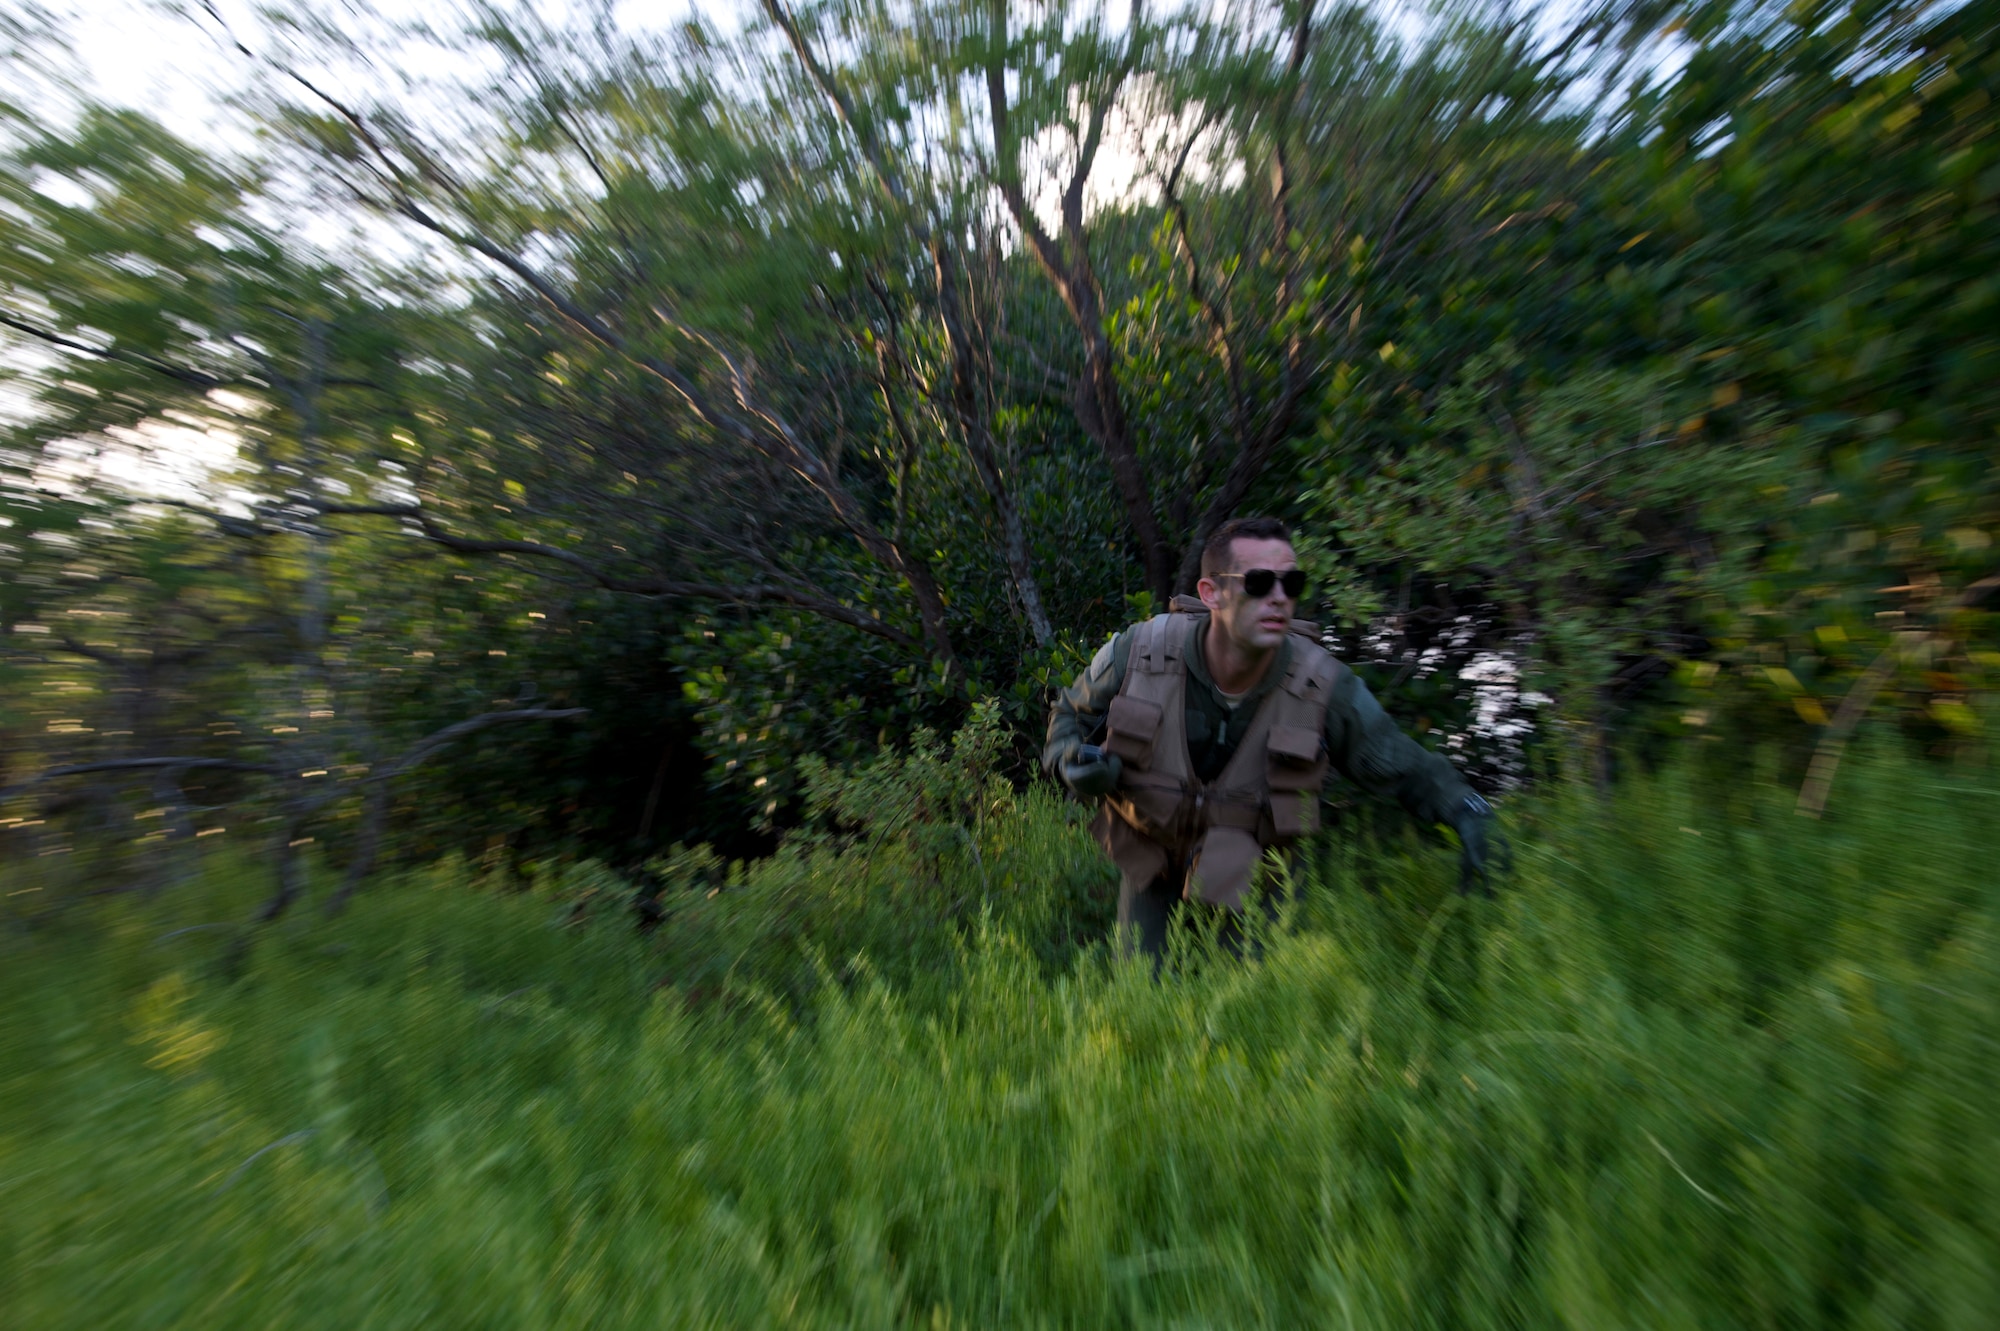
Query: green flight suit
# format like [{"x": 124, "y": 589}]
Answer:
[{"x": 1362, "y": 743}]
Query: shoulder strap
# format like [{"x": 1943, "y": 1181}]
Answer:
[
  {"x": 1313, "y": 671},
  {"x": 1159, "y": 646}
]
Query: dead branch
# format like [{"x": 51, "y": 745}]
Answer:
[
  {"x": 779, "y": 593},
  {"x": 376, "y": 815},
  {"x": 139, "y": 765},
  {"x": 180, "y": 374},
  {"x": 424, "y": 749}
]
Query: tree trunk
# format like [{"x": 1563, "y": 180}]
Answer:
[
  {"x": 1100, "y": 409},
  {"x": 291, "y": 868},
  {"x": 171, "y": 868},
  {"x": 653, "y": 792},
  {"x": 367, "y": 841},
  {"x": 976, "y": 426}
]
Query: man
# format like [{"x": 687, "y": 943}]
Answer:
[{"x": 1207, "y": 733}]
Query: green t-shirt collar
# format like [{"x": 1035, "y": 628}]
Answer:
[{"x": 1198, "y": 665}]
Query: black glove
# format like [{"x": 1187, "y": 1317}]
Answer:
[
  {"x": 1091, "y": 772},
  {"x": 1482, "y": 850}
]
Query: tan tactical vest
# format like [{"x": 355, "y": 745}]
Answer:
[{"x": 1267, "y": 796}]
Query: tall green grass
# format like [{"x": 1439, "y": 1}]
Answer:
[{"x": 1701, "y": 1064}]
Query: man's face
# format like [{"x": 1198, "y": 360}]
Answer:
[{"x": 1255, "y": 624}]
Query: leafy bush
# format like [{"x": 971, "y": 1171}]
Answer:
[{"x": 898, "y": 857}]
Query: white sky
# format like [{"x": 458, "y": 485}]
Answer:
[
  {"x": 138, "y": 55},
  {"x": 142, "y": 54}
]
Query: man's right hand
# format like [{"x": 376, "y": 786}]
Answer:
[{"x": 1091, "y": 772}]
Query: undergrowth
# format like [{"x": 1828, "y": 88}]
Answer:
[{"x": 1701, "y": 1064}]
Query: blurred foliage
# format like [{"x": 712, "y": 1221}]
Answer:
[
  {"x": 733, "y": 395},
  {"x": 1736, "y": 403}
]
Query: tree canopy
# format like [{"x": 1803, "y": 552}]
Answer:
[{"x": 741, "y": 392}]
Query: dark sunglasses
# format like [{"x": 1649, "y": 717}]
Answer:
[{"x": 1257, "y": 582}]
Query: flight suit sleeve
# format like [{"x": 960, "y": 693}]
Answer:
[
  {"x": 1077, "y": 718},
  {"x": 1370, "y": 751}
]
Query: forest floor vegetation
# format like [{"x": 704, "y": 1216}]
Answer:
[{"x": 1701, "y": 1063}]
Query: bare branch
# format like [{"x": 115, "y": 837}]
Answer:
[
  {"x": 1097, "y": 399},
  {"x": 377, "y": 811},
  {"x": 973, "y": 424},
  {"x": 427, "y": 747},
  {"x": 771, "y": 592},
  {"x": 97, "y": 654},
  {"x": 593, "y": 327},
  {"x": 228, "y": 524},
  {"x": 871, "y": 147},
  {"x": 326, "y": 510},
  {"x": 776, "y": 440},
  {"x": 139, "y": 765},
  {"x": 1093, "y": 134},
  {"x": 180, "y": 374}
]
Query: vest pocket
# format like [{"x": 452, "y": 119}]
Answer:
[
  {"x": 1134, "y": 725},
  {"x": 1293, "y": 747},
  {"x": 1295, "y": 772},
  {"x": 1294, "y": 813},
  {"x": 1220, "y": 871}
]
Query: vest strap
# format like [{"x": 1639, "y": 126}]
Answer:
[{"x": 1244, "y": 811}]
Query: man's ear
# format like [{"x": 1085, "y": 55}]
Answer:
[{"x": 1211, "y": 595}]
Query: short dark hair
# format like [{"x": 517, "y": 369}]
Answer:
[{"x": 1216, "y": 556}]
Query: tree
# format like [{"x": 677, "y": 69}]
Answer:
[{"x": 166, "y": 303}]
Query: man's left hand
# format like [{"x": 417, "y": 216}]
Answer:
[{"x": 1482, "y": 850}]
